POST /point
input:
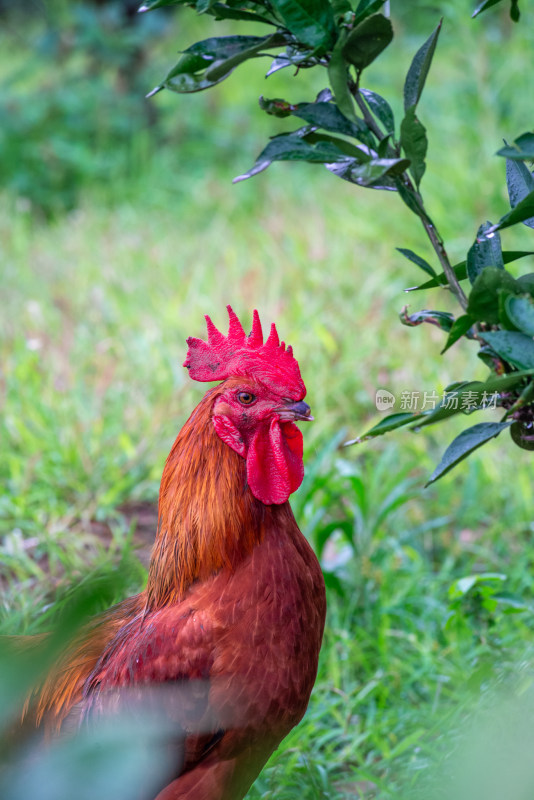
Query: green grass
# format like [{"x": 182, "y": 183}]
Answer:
[{"x": 97, "y": 306}]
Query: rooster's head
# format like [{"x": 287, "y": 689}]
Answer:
[{"x": 255, "y": 409}]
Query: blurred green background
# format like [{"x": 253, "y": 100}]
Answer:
[{"x": 120, "y": 228}]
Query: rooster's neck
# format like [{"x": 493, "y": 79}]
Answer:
[{"x": 208, "y": 517}]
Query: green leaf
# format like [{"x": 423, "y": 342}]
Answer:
[
  {"x": 514, "y": 347},
  {"x": 381, "y": 109},
  {"x": 367, "y": 40},
  {"x": 520, "y": 183},
  {"x": 464, "y": 444},
  {"x": 523, "y": 211},
  {"x": 514, "y": 8},
  {"x": 526, "y": 283},
  {"x": 523, "y": 435},
  {"x": 459, "y": 328},
  {"x": 366, "y": 8},
  {"x": 411, "y": 256},
  {"x": 442, "y": 319},
  {"x": 223, "y": 11},
  {"x": 375, "y": 173},
  {"x": 520, "y": 311},
  {"x": 310, "y": 21},
  {"x": 149, "y": 5},
  {"x": 338, "y": 77},
  {"x": 210, "y": 61},
  {"x": 417, "y": 74},
  {"x": 410, "y": 198},
  {"x": 521, "y": 150},
  {"x": 484, "y": 252},
  {"x": 483, "y": 301},
  {"x": 329, "y": 117},
  {"x": 414, "y": 143},
  {"x": 484, "y": 6},
  {"x": 389, "y": 423},
  {"x": 460, "y": 271},
  {"x": 293, "y": 147},
  {"x": 470, "y": 396}
]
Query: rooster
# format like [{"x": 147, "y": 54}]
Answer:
[{"x": 233, "y": 613}]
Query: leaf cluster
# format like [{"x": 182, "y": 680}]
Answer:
[{"x": 352, "y": 131}]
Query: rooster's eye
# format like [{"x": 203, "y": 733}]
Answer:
[{"x": 246, "y": 398}]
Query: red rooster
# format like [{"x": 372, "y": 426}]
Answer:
[{"x": 234, "y": 608}]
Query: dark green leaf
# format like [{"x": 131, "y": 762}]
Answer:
[
  {"x": 376, "y": 173},
  {"x": 464, "y": 444},
  {"x": 520, "y": 311},
  {"x": 414, "y": 143},
  {"x": 381, "y": 109},
  {"x": 310, "y": 21},
  {"x": 383, "y": 150},
  {"x": 460, "y": 270},
  {"x": 411, "y": 256},
  {"x": 416, "y": 77},
  {"x": 483, "y": 302},
  {"x": 351, "y": 150},
  {"x": 389, "y": 423},
  {"x": 207, "y": 63},
  {"x": 471, "y": 396},
  {"x": 366, "y": 8},
  {"x": 410, "y": 198},
  {"x": 293, "y": 147},
  {"x": 329, "y": 117},
  {"x": 366, "y": 41},
  {"x": 149, "y": 5},
  {"x": 484, "y": 252},
  {"x": 224, "y": 11},
  {"x": 484, "y": 6},
  {"x": 514, "y": 8},
  {"x": 442, "y": 319},
  {"x": 523, "y": 435},
  {"x": 526, "y": 283},
  {"x": 338, "y": 77},
  {"x": 524, "y": 210},
  {"x": 514, "y": 347},
  {"x": 521, "y": 150},
  {"x": 520, "y": 183},
  {"x": 459, "y": 328}
]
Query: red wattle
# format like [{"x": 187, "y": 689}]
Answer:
[{"x": 274, "y": 462}]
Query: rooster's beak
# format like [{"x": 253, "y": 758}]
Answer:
[{"x": 294, "y": 411}]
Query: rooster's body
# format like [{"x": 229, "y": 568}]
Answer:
[{"x": 231, "y": 622}]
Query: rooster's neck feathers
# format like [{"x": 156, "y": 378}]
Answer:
[{"x": 208, "y": 518}]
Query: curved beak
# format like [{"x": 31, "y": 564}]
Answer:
[{"x": 291, "y": 412}]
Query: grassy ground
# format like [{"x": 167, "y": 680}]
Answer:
[{"x": 100, "y": 302}]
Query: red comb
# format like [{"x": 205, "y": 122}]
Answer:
[{"x": 238, "y": 354}]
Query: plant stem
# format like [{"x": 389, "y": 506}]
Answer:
[
  {"x": 431, "y": 230},
  {"x": 439, "y": 248}
]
